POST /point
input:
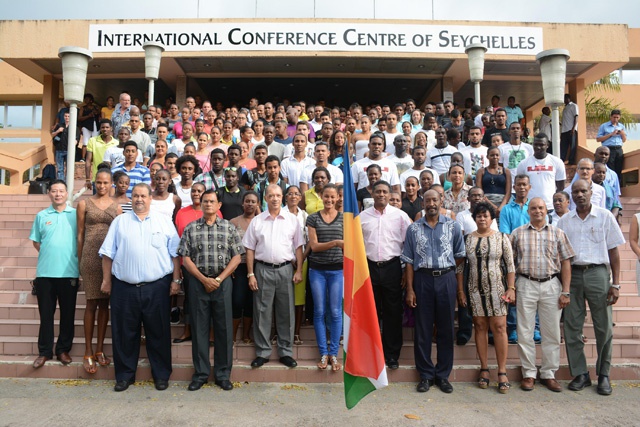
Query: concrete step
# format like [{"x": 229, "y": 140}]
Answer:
[{"x": 305, "y": 372}]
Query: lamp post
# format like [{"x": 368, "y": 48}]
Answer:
[
  {"x": 152, "y": 55},
  {"x": 74, "y": 77},
  {"x": 553, "y": 69},
  {"x": 476, "y": 52}
]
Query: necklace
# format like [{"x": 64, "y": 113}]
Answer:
[{"x": 487, "y": 234}]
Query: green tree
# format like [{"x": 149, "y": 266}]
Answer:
[{"x": 598, "y": 106}]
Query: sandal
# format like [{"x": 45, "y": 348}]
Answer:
[
  {"x": 483, "y": 382},
  {"x": 89, "y": 365},
  {"x": 102, "y": 359},
  {"x": 297, "y": 340},
  {"x": 503, "y": 387},
  {"x": 335, "y": 365},
  {"x": 322, "y": 364}
]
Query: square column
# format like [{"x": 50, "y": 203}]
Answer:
[{"x": 576, "y": 89}]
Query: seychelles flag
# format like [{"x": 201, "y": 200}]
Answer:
[{"x": 364, "y": 366}]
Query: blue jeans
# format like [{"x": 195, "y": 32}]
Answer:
[
  {"x": 327, "y": 286},
  {"x": 61, "y": 159}
]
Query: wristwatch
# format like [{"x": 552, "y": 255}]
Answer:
[
  {"x": 178, "y": 281},
  {"x": 566, "y": 294},
  {"x": 616, "y": 287},
  {"x": 250, "y": 275},
  {"x": 218, "y": 279}
]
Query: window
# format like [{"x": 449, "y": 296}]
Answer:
[{"x": 21, "y": 115}]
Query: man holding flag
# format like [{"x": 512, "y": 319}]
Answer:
[
  {"x": 364, "y": 369},
  {"x": 433, "y": 247}
]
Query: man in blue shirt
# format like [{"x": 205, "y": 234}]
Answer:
[
  {"x": 612, "y": 134},
  {"x": 141, "y": 269},
  {"x": 433, "y": 247},
  {"x": 514, "y": 113},
  {"x": 513, "y": 215},
  {"x": 53, "y": 235},
  {"x": 136, "y": 172}
]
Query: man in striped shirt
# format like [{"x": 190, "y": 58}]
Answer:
[
  {"x": 542, "y": 255},
  {"x": 136, "y": 172}
]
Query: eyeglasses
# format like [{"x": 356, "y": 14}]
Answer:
[{"x": 231, "y": 168}]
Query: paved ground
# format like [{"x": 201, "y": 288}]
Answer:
[{"x": 36, "y": 402}]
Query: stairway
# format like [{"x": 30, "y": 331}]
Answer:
[{"x": 19, "y": 321}]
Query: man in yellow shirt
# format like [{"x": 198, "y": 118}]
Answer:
[{"x": 96, "y": 148}]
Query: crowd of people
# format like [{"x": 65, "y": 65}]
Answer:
[{"x": 241, "y": 209}]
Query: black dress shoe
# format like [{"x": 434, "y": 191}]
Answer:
[
  {"x": 180, "y": 340},
  {"x": 580, "y": 382},
  {"x": 259, "y": 361},
  {"x": 226, "y": 385},
  {"x": 123, "y": 385},
  {"x": 604, "y": 386},
  {"x": 423, "y": 386},
  {"x": 196, "y": 385},
  {"x": 161, "y": 384},
  {"x": 393, "y": 364},
  {"x": 444, "y": 385},
  {"x": 461, "y": 341},
  {"x": 288, "y": 361}
]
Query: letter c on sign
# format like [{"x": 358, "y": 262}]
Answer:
[
  {"x": 231, "y": 36},
  {"x": 346, "y": 37}
]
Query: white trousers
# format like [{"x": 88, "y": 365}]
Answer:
[{"x": 542, "y": 297}]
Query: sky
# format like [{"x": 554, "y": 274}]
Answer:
[{"x": 564, "y": 11}]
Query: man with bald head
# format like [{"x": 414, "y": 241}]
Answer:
[
  {"x": 272, "y": 239},
  {"x": 433, "y": 247},
  {"x": 598, "y": 193},
  {"x": 602, "y": 155},
  {"x": 595, "y": 236},
  {"x": 542, "y": 255}
]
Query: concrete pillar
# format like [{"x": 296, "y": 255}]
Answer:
[
  {"x": 447, "y": 88},
  {"x": 50, "y": 99},
  {"x": 181, "y": 90},
  {"x": 576, "y": 89}
]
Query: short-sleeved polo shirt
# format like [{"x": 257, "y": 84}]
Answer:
[{"x": 57, "y": 233}]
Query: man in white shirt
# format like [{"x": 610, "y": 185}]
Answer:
[
  {"x": 138, "y": 135},
  {"x": 391, "y": 132},
  {"x": 569, "y": 130},
  {"x": 389, "y": 170},
  {"x": 293, "y": 167},
  {"x": 322, "y": 160},
  {"x": 598, "y": 193},
  {"x": 418, "y": 155},
  {"x": 546, "y": 172},
  {"x": 401, "y": 158},
  {"x": 475, "y": 155},
  {"x": 439, "y": 157},
  {"x": 274, "y": 148},
  {"x": 544, "y": 126},
  {"x": 465, "y": 218},
  {"x": 514, "y": 151}
]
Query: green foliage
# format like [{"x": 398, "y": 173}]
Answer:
[{"x": 598, "y": 106}]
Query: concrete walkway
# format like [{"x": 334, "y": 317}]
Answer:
[{"x": 39, "y": 402}]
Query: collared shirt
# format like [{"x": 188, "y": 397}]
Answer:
[
  {"x": 513, "y": 216},
  {"x": 141, "y": 138},
  {"x": 592, "y": 237},
  {"x": 210, "y": 247},
  {"x": 293, "y": 169},
  {"x": 457, "y": 204},
  {"x": 207, "y": 178},
  {"x": 312, "y": 201},
  {"x": 606, "y": 129},
  {"x": 141, "y": 250},
  {"x": 438, "y": 248},
  {"x": 98, "y": 147},
  {"x": 137, "y": 174},
  {"x": 568, "y": 117},
  {"x": 610, "y": 179},
  {"x": 384, "y": 232},
  {"x": 468, "y": 225},
  {"x": 513, "y": 114},
  {"x": 56, "y": 232},
  {"x": 539, "y": 253},
  {"x": 274, "y": 239},
  {"x": 119, "y": 119}
]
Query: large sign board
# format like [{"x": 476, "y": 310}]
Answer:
[{"x": 321, "y": 37}]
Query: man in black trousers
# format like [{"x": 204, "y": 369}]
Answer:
[
  {"x": 211, "y": 249},
  {"x": 141, "y": 270}
]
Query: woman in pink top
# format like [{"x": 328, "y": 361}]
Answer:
[{"x": 202, "y": 154}]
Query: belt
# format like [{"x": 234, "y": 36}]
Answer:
[
  {"x": 268, "y": 264},
  {"x": 383, "y": 263},
  {"x": 436, "y": 272},
  {"x": 586, "y": 267},
  {"x": 540, "y": 280}
]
